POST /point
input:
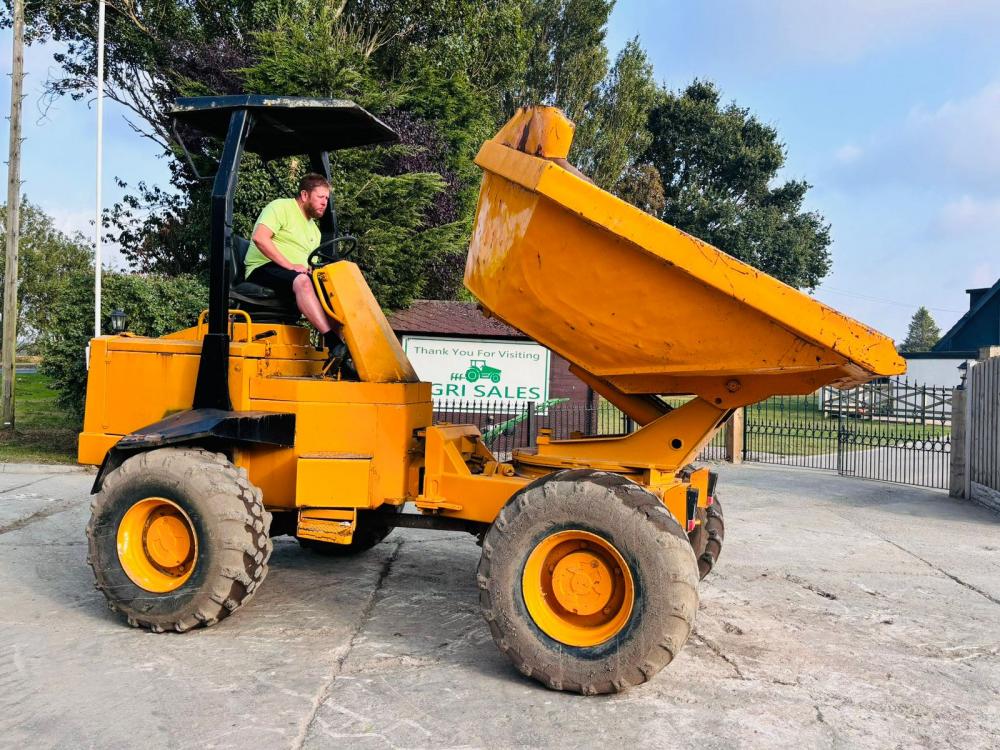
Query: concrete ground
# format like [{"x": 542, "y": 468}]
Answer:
[{"x": 843, "y": 613}]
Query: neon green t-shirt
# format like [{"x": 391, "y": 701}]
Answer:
[{"x": 294, "y": 235}]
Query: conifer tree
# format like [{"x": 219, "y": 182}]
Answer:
[{"x": 922, "y": 334}]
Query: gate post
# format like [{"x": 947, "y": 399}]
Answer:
[
  {"x": 959, "y": 436},
  {"x": 735, "y": 427}
]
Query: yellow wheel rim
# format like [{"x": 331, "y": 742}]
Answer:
[
  {"x": 157, "y": 545},
  {"x": 578, "y": 588}
]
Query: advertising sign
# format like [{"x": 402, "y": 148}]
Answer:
[{"x": 478, "y": 370}]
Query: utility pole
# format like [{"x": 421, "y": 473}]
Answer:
[{"x": 9, "y": 343}]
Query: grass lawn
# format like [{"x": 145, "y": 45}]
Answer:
[{"x": 44, "y": 432}]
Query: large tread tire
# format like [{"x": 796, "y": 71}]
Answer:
[
  {"x": 373, "y": 527},
  {"x": 230, "y": 522},
  {"x": 652, "y": 543},
  {"x": 706, "y": 539}
]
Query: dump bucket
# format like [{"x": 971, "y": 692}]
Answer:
[{"x": 632, "y": 300}]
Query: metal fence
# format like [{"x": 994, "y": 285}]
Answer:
[
  {"x": 506, "y": 427},
  {"x": 891, "y": 430}
]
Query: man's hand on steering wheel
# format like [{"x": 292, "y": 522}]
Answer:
[{"x": 330, "y": 252}]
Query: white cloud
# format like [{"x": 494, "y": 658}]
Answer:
[
  {"x": 969, "y": 215},
  {"x": 955, "y": 145},
  {"x": 770, "y": 35},
  {"x": 848, "y": 153},
  {"x": 71, "y": 222},
  {"x": 847, "y": 30}
]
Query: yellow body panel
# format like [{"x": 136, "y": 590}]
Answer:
[
  {"x": 642, "y": 309},
  {"x": 345, "y": 296},
  {"x": 638, "y": 302},
  {"x": 450, "y": 486},
  {"x": 135, "y": 381},
  {"x": 337, "y": 481}
]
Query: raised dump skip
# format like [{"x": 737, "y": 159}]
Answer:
[{"x": 636, "y": 302}]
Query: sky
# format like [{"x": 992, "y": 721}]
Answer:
[{"x": 890, "y": 109}]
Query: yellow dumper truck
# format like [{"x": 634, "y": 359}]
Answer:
[{"x": 217, "y": 437}]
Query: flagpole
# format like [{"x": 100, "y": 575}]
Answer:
[{"x": 98, "y": 223}]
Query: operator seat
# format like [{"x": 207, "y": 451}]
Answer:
[{"x": 260, "y": 302}]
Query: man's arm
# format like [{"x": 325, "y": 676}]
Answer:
[{"x": 263, "y": 239}]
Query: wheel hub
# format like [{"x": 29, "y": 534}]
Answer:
[
  {"x": 578, "y": 588},
  {"x": 167, "y": 540},
  {"x": 582, "y": 583},
  {"x": 157, "y": 545}
]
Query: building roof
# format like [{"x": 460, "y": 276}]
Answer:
[
  {"x": 978, "y": 327},
  {"x": 433, "y": 317}
]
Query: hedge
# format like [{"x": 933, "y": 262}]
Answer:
[{"x": 153, "y": 306}]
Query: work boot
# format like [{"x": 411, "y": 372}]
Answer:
[{"x": 339, "y": 364}]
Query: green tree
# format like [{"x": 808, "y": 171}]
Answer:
[
  {"x": 615, "y": 133},
  {"x": 922, "y": 334},
  {"x": 45, "y": 258},
  {"x": 718, "y": 165},
  {"x": 567, "y": 58},
  {"x": 422, "y": 65}
]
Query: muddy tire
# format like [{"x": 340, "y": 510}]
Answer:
[
  {"x": 373, "y": 527},
  {"x": 599, "y": 617},
  {"x": 706, "y": 539},
  {"x": 178, "y": 539}
]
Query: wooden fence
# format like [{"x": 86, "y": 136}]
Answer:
[
  {"x": 890, "y": 400},
  {"x": 983, "y": 449}
]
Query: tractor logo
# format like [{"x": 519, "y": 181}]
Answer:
[{"x": 478, "y": 370}]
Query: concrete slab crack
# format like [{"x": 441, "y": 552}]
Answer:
[
  {"x": 39, "y": 515},
  {"x": 8, "y": 490},
  {"x": 714, "y": 648},
  {"x": 955, "y": 578},
  {"x": 810, "y": 587},
  {"x": 324, "y": 692},
  {"x": 928, "y": 563}
]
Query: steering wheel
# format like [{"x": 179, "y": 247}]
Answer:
[{"x": 326, "y": 252}]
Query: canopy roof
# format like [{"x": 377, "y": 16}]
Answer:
[{"x": 286, "y": 125}]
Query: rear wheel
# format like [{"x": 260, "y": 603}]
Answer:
[
  {"x": 587, "y": 582},
  {"x": 373, "y": 526},
  {"x": 178, "y": 537},
  {"x": 707, "y": 537}
]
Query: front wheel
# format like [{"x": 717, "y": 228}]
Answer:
[
  {"x": 178, "y": 538},
  {"x": 587, "y": 582}
]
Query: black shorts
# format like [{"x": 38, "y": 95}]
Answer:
[{"x": 275, "y": 277}]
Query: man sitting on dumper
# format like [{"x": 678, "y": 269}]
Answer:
[{"x": 285, "y": 234}]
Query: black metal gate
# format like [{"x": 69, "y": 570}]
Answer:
[{"x": 891, "y": 430}]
